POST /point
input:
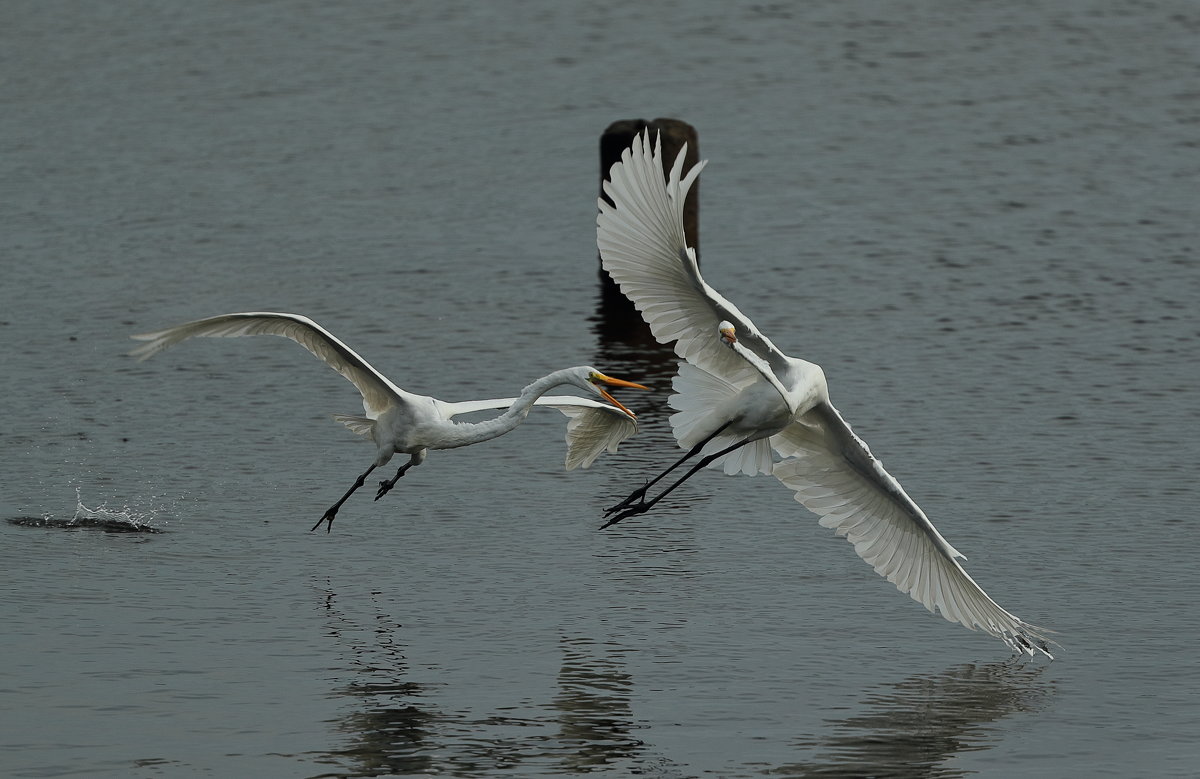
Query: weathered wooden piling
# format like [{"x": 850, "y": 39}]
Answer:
[{"x": 620, "y": 318}]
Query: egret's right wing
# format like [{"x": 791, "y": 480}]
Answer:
[
  {"x": 592, "y": 426},
  {"x": 643, "y": 247},
  {"x": 835, "y": 476},
  {"x": 378, "y": 392}
]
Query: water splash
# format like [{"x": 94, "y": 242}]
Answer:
[
  {"x": 109, "y": 520},
  {"x": 136, "y": 520}
]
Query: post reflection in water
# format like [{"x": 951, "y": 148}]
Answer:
[
  {"x": 391, "y": 734},
  {"x": 593, "y": 707},
  {"x": 397, "y": 730},
  {"x": 624, "y": 340},
  {"x": 624, "y": 343},
  {"x": 912, "y": 728}
]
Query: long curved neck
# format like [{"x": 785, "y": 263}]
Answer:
[
  {"x": 514, "y": 415},
  {"x": 805, "y": 381},
  {"x": 763, "y": 368}
]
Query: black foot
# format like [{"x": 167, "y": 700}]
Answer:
[
  {"x": 385, "y": 487},
  {"x": 638, "y": 495},
  {"x": 640, "y": 508},
  {"x": 326, "y": 517}
]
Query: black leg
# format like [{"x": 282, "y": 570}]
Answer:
[
  {"x": 333, "y": 510},
  {"x": 640, "y": 493},
  {"x": 386, "y": 485},
  {"x": 645, "y": 505}
]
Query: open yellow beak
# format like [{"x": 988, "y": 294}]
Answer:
[{"x": 609, "y": 380}]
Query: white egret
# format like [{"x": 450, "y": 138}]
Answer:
[
  {"x": 746, "y": 406},
  {"x": 401, "y": 421}
]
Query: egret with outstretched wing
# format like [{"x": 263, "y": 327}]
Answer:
[
  {"x": 401, "y": 421},
  {"x": 744, "y": 405}
]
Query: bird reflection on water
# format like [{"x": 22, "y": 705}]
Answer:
[
  {"x": 397, "y": 730},
  {"x": 592, "y": 704},
  {"x": 390, "y": 734},
  {"x": 910, "y": 729}
]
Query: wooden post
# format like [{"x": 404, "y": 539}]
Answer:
[{"x": 620, "y": 318}]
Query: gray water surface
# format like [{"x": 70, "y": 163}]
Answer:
[{"x": 979, "y": 219}]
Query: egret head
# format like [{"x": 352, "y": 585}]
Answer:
[
  {"x": 596, "y": 381},
  {"x": 728, "y": 334}
]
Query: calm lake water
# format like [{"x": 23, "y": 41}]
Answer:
[{"x": 981, "y": 220}]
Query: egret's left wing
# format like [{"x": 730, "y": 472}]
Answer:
[
  {"x": 643, "y": 247},
  {"x": 592, "y": 426},
  {"x": 835, "y": 476}
]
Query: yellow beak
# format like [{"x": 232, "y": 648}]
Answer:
[{"x": 616, "y": 383}]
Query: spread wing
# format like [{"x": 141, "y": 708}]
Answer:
[
  {"x": 378, "y": 392},
  {"x": 592, "y": 426},
  {"x": 835, "y": 476},
  {"x": 642, "y": 246}
]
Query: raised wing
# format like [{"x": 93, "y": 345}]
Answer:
[
  {"x": 592, "y": 426},
  {"x": 642, "y": 246},
  {"x": 835, "y": 476},
  {"x": 378, "y": 393}
]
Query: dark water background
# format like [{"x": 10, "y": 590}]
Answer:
[{"x": 979, "y": 218}]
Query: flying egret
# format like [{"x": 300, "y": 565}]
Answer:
[
  {"x": 401, "y": 421},
  {"x": 740, "y": 401}
]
